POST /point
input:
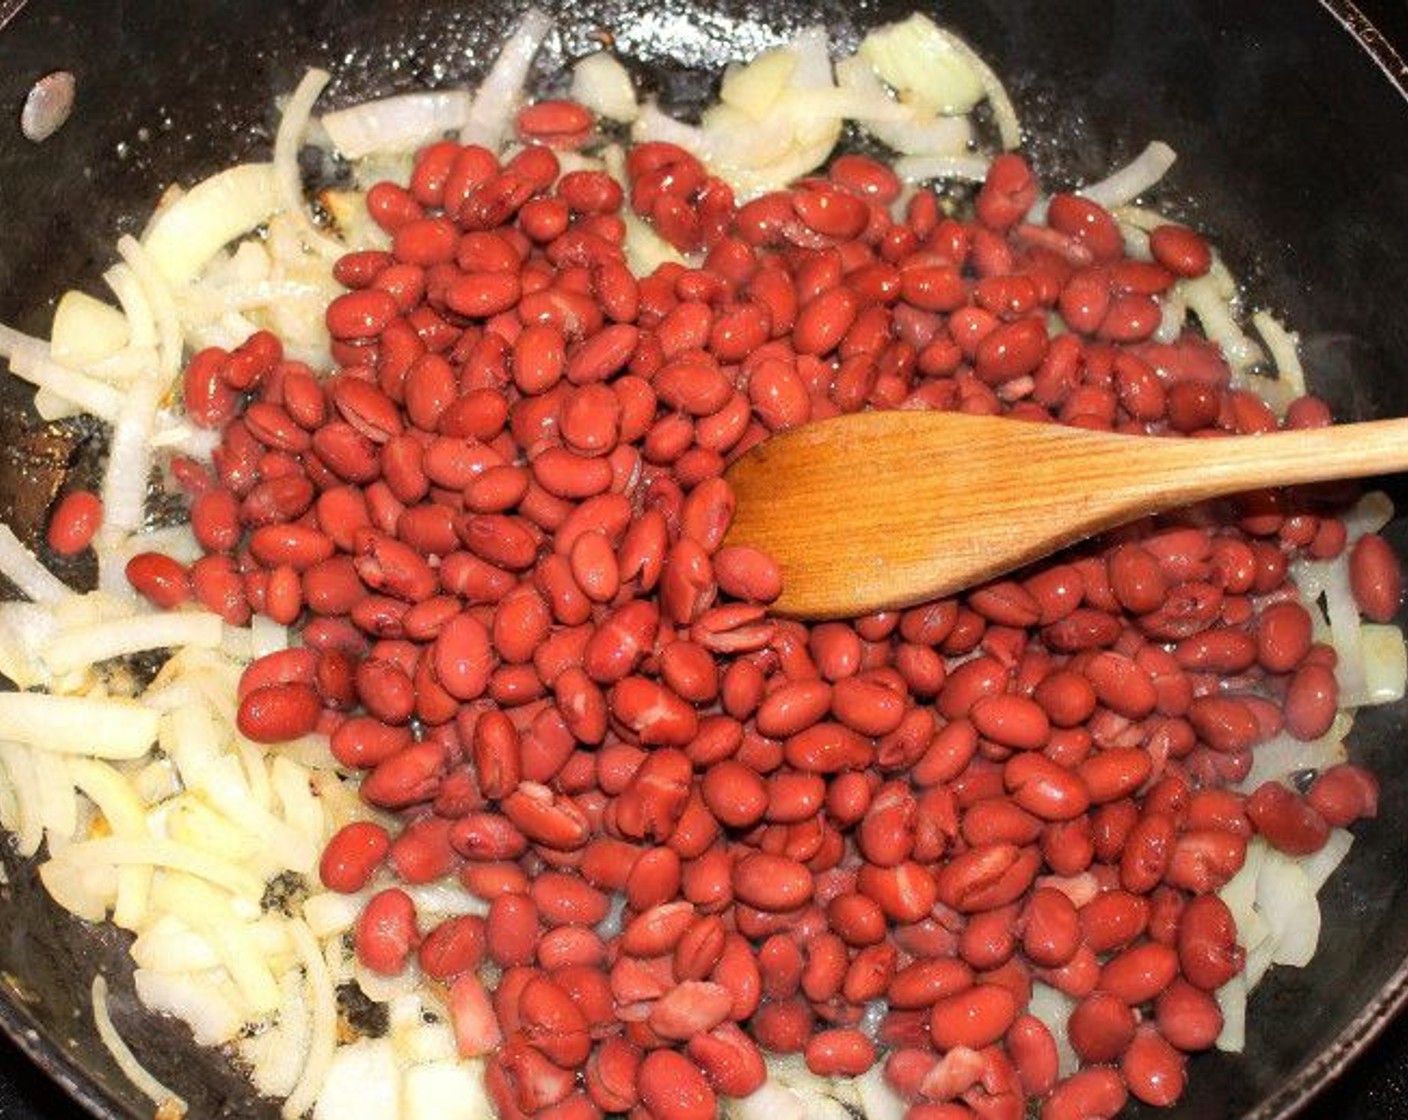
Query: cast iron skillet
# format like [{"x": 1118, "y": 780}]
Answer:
[{"x": 1288, "y": 120}]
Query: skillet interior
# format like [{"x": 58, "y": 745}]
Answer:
[{"x": 1282, "y": 122}]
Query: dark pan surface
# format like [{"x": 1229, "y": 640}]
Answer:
[{"x": 1289, "y": 135}]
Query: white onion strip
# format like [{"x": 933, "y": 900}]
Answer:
[
  {"x": 31, "y": 359},
  {"x": 1009, "y": 129},
  {"x": 22, "y": 568},
  {"x": 397, "y": 124},
  {"x": 502, "y": 88},
  {"x": 1133, "y": 179},
  {"x": 118, "y": 637},
  {"x": 83, "y": 725},
  {"x": 130, "y": 460},
  {"x": 158, "y": 852},
  {"x": 324, "y": 1035},
  {"x": 163, "y": 305},
  {"x": 919, "y": 169},
  {"x": 141, "y": 1077},
  {"x": 287, "y": 142},
  {"x": 141, "y": 323}
]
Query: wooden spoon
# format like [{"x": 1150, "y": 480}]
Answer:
[{"x": 878, "y": 510}]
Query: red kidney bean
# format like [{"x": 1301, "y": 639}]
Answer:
[
  {"x": 279, "y": 712},
  {"x": 352, "y": 855},
  {"x": 1052, "y": 928},
  {"x": 159, "y": 579},
  {"x": 1089, "y": 1094},
  {"x": 1312, "y": 698},
  {"x": 75, "y": 521},
  {"x": 1375, "y": 577},
  {"x": 386, "y": 932},
  {"x": 1287, "y": 820},
  {"x": 673, "y": 1088},
  {"x": 1188, "y": 1017},
  {"x": 975, "y": 1017},
  {"x": 1100, "y": 1027},
  {"x": 1153, "y": 1070},
  {"x": 1344, "y": 794}
]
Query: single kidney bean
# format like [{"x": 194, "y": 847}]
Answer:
[
  {"x": 1286, "y": 819},
  {"x": 1100, "y": 1027},
  {"x": 1344, "y": 794},
  {"x": 1311, "y": 700},
  {"x": 279, "y": 712},
  {"x": 75, "y": 521},
  {"x": 1089, "y": 1094},
  {"x": 386, "y": 933},
  {"x": 1375, "y": 577},
  {"x": 159, "y": 579},
  {"x": 673, "y": 1088},
  {"x": 975, "y": 1017},
  {"x": 355, "y": 851},
  {"x": 1153, "y": 1070}
]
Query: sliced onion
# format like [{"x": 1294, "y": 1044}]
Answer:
[
  {"x": 323, "y": 1034},
  {"x": 86, "y": 330},
  {"x": 1385, "y": 666},
  {"x": 923, "y": 63},
  {"x": 30, "y": 359},
  {"x": 126, "y": 477},
  {"x": 141, "y": 323},
  {"x": 163, "y": 305},
  {"x": 147, "y": 1084},
  {"x": 491, "y": 114},
  {"x": 157, "y": 852},
  {"x": 921, "y": 169},
  {"x": 1369, "y": 514},
  {"x": 29, "y": 828},
  {"x": 120, "y": 637},
  {"x": 363, "y": 1082},
  {"x": 445, "y": 1090},
  {"x": 197, "y": 999},
  {"x": 1343, "y": 613},
  {"x": 1283, "y": 346},
  {"x": 22, "y": 568},
  {"x": 288, "y": 181},
  {"x": 397, "y": 124},
  {"x": 81, "y": 725},
  {"x": 1285, "y": 897},
  {"x": 1232, "y": 1002},
  {"x": 1205, "y": 300},
  {"x": 1319, "y": 866},
  {"x": 1133, "y": 179},
  {"x": 604, "y": 86},
  {"x": 184, "y": 236},
  {"x": 276, "y": 1055}
]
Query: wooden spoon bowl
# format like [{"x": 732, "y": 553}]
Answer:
[{"x": 879, "y": 510}]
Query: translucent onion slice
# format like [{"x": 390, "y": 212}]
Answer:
[
  {"x": 603, "y": 85},
  {"x": 71, "y": 649},
  {"x": 147, "y": 1084},
  {"x": 397, "y": 124},
  {"x": 23, "y": 569},
  {"x": 1132, "y": 180},
  {"x": 287, "y": 179},
  {"x": 99, "y": 728},
  {"x": 86, "y": 330},
  {"x": 491, "y": 114},
  {"x": 185, "y": 235}
]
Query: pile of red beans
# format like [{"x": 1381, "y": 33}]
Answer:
[{"x": 500, "y": 530}]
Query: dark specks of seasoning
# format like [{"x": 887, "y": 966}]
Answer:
[
  {"x": 284, "y": 893},
  {"x": 358, "y": 1016}
]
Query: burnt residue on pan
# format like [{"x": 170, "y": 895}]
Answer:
[{"x": 1296, "y": 175}]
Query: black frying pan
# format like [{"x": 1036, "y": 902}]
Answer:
[{"x": 1289, "y": 119}]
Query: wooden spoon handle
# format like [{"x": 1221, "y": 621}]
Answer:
[{"x": 1181, "y": 471}]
